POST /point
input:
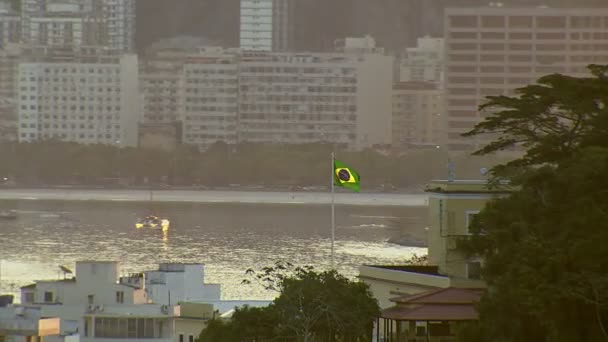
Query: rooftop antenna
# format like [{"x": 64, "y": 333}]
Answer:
[{"x": 451, "y": 171}]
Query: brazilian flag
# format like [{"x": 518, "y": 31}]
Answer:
[{"x": 346, "y": 177}]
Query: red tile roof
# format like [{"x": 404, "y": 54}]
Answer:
[{"x": 448, "y": 304}]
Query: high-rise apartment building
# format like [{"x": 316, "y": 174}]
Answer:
[
  {"x": 119, "y": 21},
  {"x": 424, "y": 62},
  {"x": 197, "y": 88},
  {"x": 343, "y": 98},
  {"x": 9, "y": 63},
  {"x": 90, "y": 99},
  {"x": 266, "y": 25},
  {"x": 494, "y": 50},
  {"x": 10, "y": 25},
  {"x": 109, "y": 23},
  {"x": 417, "y": 115}
]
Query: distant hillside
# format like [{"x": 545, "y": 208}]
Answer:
[{"x": 394, "y": 23}]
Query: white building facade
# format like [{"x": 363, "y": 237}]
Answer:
[
  {"x": 494, "y": 50},
  {"x": 174, "y": 283},
  {"x": 139, "y": 306},
  {"x": 343, "y": 98},
  {"x": 85, "y": 102},
  {"x": 109, "y": 23},
  {"x": 197, "y": 88}
]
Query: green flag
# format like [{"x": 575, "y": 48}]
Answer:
[{"x": 346, "y": 177}]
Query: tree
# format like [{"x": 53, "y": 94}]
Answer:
[
  {"x": 550, "y": 119},
  {"x": 543, "y": 246},
  {"x": 311, "y": 306}
]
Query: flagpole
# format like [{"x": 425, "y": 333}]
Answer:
[{"x": 333, "y": 212}]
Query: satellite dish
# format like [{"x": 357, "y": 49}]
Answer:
[{"x": 483, "y": 171}]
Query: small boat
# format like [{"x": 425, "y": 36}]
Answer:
[
  {"x": 153, "y": 222},
  {"x": 8, "y": 215}
]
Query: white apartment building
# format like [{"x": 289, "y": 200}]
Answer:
[
  {"x": 131, "y": 308},
  {"x": 61, "y": 25},
  {"x": 109, "y": 23},
  {"x": 80, "y": 100},
  {"x": 266, "y": 25},
  {"x": 173, "y": 283},
  {"x": 494, "y": 50},
  {"x": 417, "y": 115},
  {"x": 20, "y": 323},
  {"x": 343, "y": 98},
  {"x": 9, "y": 62},
  {"x": 198, "y": 88},
  {"x": 211, "y": 93},
  {"x": 423, "y": 62}
]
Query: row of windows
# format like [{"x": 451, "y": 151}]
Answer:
[
  {"x": 211, "y": 118},
  {"x": 66, "y": 126},
  {"x": 72, "y": 117},
  {"x": 529, "y": 35},
  {"x": 523, "y": 21},
  {"x": 297, "y": 80},
  {"x": 300, "y": 117},
  {"x": 296, "y": 70},
  {"x": 211, "y": 136},
  {"x": 139, "y": 328},
  {"x": 71, "y": 136},
  {"x": 297, "y": 108},
  {"x": 72, "y": 108},
  {"x": 211, "y": 109},
  {"x": 274, "y": 99},
  {"x": 511, "y": 47}
]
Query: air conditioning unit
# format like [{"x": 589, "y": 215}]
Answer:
[
  {"x": 164, "y": 309},
  {"x": 90, "y": 308},
  {"x": 99, "y": 308}
]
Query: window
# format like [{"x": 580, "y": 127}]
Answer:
[
  {"x": 48, "y": 297},
  {"x": 91, "y": 299},
  {"x": 191, "y": 338},
  {"x": 474, "y": 269},
  {"x": 120, "y": 297},
  {"x": 181, "y": 337},
  {"x": 469, "y": 216}
]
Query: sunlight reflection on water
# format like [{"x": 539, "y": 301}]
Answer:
[{"x": 228, "y": 238}]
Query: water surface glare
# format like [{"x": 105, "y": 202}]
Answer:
[{"x": 228, "y": 238}]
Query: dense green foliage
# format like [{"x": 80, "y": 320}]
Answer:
[
  {"x": 311, "y": 306},
  {"x": 53, "y": 162},
  {"x": 544, "y": 247}
]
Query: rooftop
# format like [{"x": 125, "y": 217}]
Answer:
[{"x": 446, "y": 304}]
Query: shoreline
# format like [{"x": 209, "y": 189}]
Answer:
[{"x": 216, "y": 196}]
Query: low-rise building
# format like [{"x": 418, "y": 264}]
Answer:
[
  {"x": 452, "y": 205},
  {"x": 22, "y": 323},
  {"x": 168, "y": 304}
]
